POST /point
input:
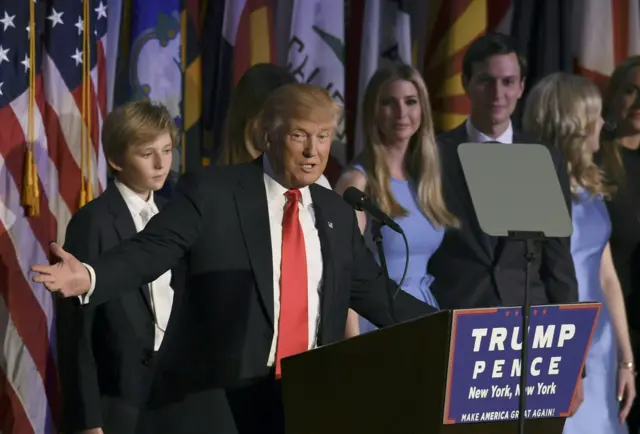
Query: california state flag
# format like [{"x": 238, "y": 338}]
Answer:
[
  {"x": 316, "y": 53},
  {"x": 386, "y": 36},
  {"x": 608, "y": 33}
]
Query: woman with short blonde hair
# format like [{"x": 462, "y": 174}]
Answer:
[{"x": 565, "y": 110}]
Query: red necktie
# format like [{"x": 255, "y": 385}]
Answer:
[{"x": 293, "y": 325}]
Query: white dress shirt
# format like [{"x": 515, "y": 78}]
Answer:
[
  {"x": 476, "y": 136},
  {"x": 324, "y": 182},
  {"x": 276, "y": 201}
]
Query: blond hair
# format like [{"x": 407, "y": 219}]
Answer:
[
  {"x": 296, "y": 101},
  {"x": 241, "y": 130},
  {"x": 611, "y": 158},
  {"x": 422, "y": 160},
  {"x": 562, "y": 109},
  {"x": 134, "y": 124}
]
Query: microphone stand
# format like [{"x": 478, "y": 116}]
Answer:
[
  {"x": 376, "y": 232},
  {"x": 530, "y": 256}
]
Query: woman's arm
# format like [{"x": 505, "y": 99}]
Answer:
[
  {"x": 353, "y": 178},
  {"x": 612, "y": 291},
  {"x": 353, "y": 324},
  {"x": 615, "y": 304}
]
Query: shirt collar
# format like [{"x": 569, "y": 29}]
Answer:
[
  {"x": 134, "y": 202},
  {"x": 478, "y": 136},
  {"x": 276, "y": 190}
]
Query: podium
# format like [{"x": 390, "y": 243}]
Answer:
[{"x": 451, "y": 372}]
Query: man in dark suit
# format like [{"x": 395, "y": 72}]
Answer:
[
  {"x": 274, "y": 263},
  {"x": 107, "y": 352},
  {"x": 472, "y": 269}
]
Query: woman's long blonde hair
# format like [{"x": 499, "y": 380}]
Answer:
[
  {"x": 422, "y": 161},
  {"x": 562, "y": 109},
  {"x": 611, "y": 158}
]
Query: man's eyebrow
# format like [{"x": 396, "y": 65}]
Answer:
[
  {"x": 297, "y": 128},
  {"x": 302, "y": 129},
  {"x": 487, "y": 75}
]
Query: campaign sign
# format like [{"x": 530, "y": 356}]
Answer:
[{"x": 483, "y": 382}]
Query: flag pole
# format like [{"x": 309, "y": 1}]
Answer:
[{"x": 30, "y": 194}]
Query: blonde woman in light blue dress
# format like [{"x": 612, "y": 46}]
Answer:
[{"x": 565, "y": 110}]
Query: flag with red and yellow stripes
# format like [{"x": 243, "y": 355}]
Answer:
[
  {"x": 451, "y": 27},
  {"x": 191, "y": 62},
  {"x": 237, "y": 35}
]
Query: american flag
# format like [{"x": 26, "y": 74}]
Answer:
[{"x": 29, "y": 389}]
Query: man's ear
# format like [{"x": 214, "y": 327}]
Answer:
[
  {"x": 465, "y": 83},
  {"x": 115, "y": 167},
  {"x": 522, "y": 86},
  {"x": 266, "y": 144}
]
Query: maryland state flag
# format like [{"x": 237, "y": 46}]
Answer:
[{"x": 451, "y": 27}]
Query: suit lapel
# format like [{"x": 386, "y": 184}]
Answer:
[
  {"x": 484, "y": 240},
  {"x": 328, "y": 266},
  {"x": 125, "y": 228},
  {"x": 253, "y": 213}
]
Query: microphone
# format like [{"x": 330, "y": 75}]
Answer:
[{"x": 361, "y": 202}]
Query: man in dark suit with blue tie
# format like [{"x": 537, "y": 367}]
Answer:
[
  {"x": 274, "y": 264},
  {"x": 470, "y": 268}
]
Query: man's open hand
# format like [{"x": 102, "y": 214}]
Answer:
[{"x": 68, "y": 277}]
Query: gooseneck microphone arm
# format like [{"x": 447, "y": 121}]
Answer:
[
  {"x": 359, "y": 201},
  {"x": 377, "y": 238}
]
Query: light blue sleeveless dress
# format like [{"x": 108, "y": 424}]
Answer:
[
  {"x": 598, "y": 413},
  {"x": 423, "y": 237}
]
